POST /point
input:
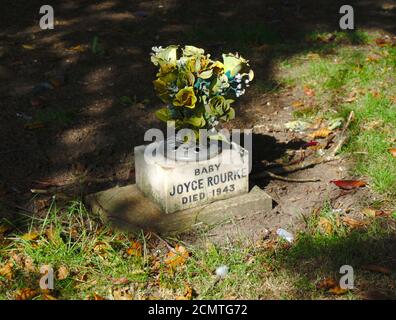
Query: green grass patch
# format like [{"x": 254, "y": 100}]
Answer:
[{"x": 358, "y": 78}]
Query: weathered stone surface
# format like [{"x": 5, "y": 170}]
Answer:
[
  {"x": 179, "y": 185},
  {"x": 127, "y": 208}
]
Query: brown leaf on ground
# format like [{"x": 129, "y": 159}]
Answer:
[
  {"x": 297, "y": 104},
  {"x": 373, "y": 213},
  {"x": 309, "y": 91},
  {"x": 376, "y": 268},
  {"x": 34, "y": 125},
  {"x": 338, "y": 291},
  {"x": 28, "y": 265},
  {"x": 320, "y": 133},
  {"x": 349, "y": 184},
  {"x": 383, "y": 41},
  {"x": 101, "y": 248},
  {"x": 4, "y": 228},
  {"x": 77, "y": 48},
  {"x": 62, "y": 273},
  {"x": 122, "y": 280},
  {"x": 135, "y": 249},
  {"x": 188, "y": 292},
  {"x": 6, "y": 271},
  {"x": 353, "y": 223},
  {"x": 28, "y": 46},
  {"x": 98, "y": 297},
  {"x": 47, "y": 296},
  {"x": 177, "y": 257},
  {"x": 50, "y": 233},
  {"x": 325, "y": 225},
  {"x": 331, "y": 286},
  {"x": 392, "y": 151},
  {"x": 122, "y": 294},
  {"x": 373, "y": 58},
  {"x": 30, "y": 236},
  {"x": 25, "y": 294},
  {"x": 326, "y": 284}
]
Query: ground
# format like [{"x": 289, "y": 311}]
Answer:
[{"x": 78, "y": 138}]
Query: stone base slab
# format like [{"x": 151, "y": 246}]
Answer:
[{"x": 128, "y": 209}]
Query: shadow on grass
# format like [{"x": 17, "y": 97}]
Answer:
[{"x": 370, "y": 252}]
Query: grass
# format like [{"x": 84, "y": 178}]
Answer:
[{"x": 99, "y": 264}]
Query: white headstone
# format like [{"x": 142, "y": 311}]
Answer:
[{"x": 178, "y": 185}]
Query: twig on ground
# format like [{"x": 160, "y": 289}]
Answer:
[
  {"x": 277, "y": 177},
  {"x": 170, "y": 248}
]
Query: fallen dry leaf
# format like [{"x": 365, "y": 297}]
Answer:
[
  {"x": 297, "y": 104},
  {"x": 349, "y": 184},
  {"x": 320, "y": 133},
  {"x": 325, "y": 225},
  {"x": 381, "y": 42},
  {"x": 98, "y": 297},
  {"x": 34, "y": 125},
  {"x": 28, "y": 265},
  {"x": 338, "y": 291},
  {"x": 135, "y": 249},
  {"x": 47, "y": 296},
  {"x": 373, "y": 58},
  {"x": 7, "y": 271},
  {"x": 376, "y": 268},
  {"x": 372, "y": 213},
  {"x": 28, "y": 46},
  {"x": 326, "y": 284},
  {"x": 177, "y": 257},
  {"x": 25, "y": 294},
  {"x": 62, "y": 273},
  {"x": 30, "y": 236},
  {"x": 101, "y": 248},
  {"x": 311, "y": 144},
  {"x": 4, "y": 228},
  {"x": 331, "y": 286},
  {"x": 77, "y": 48},
  {"x": 188, "y": 291},
  {"x": 122, "y": 280},
  {"x": 392, "y": 152},
  {"x": 122, "y": 294},
  {"x": 309, "y": 91},
  {"x": 369, "y": 212},
  {"x": 353, "y": 223}
]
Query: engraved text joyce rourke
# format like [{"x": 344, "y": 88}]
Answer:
[
  {"x": 210, "y": 181},
  {"x": 234, "y": 137}
]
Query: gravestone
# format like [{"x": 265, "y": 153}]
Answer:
[{"x": 179, "y": 185}]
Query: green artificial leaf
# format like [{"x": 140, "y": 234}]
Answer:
[
  {"x": 196, "y": 121},
  {"x": 231, "y": 114},
  {"x": 163, "y": 114}
]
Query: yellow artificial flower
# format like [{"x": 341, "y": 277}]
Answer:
[{"x": 185, "y": 98}]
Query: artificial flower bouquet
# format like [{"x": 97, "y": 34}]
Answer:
[{"x": 198, "y": 91}]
